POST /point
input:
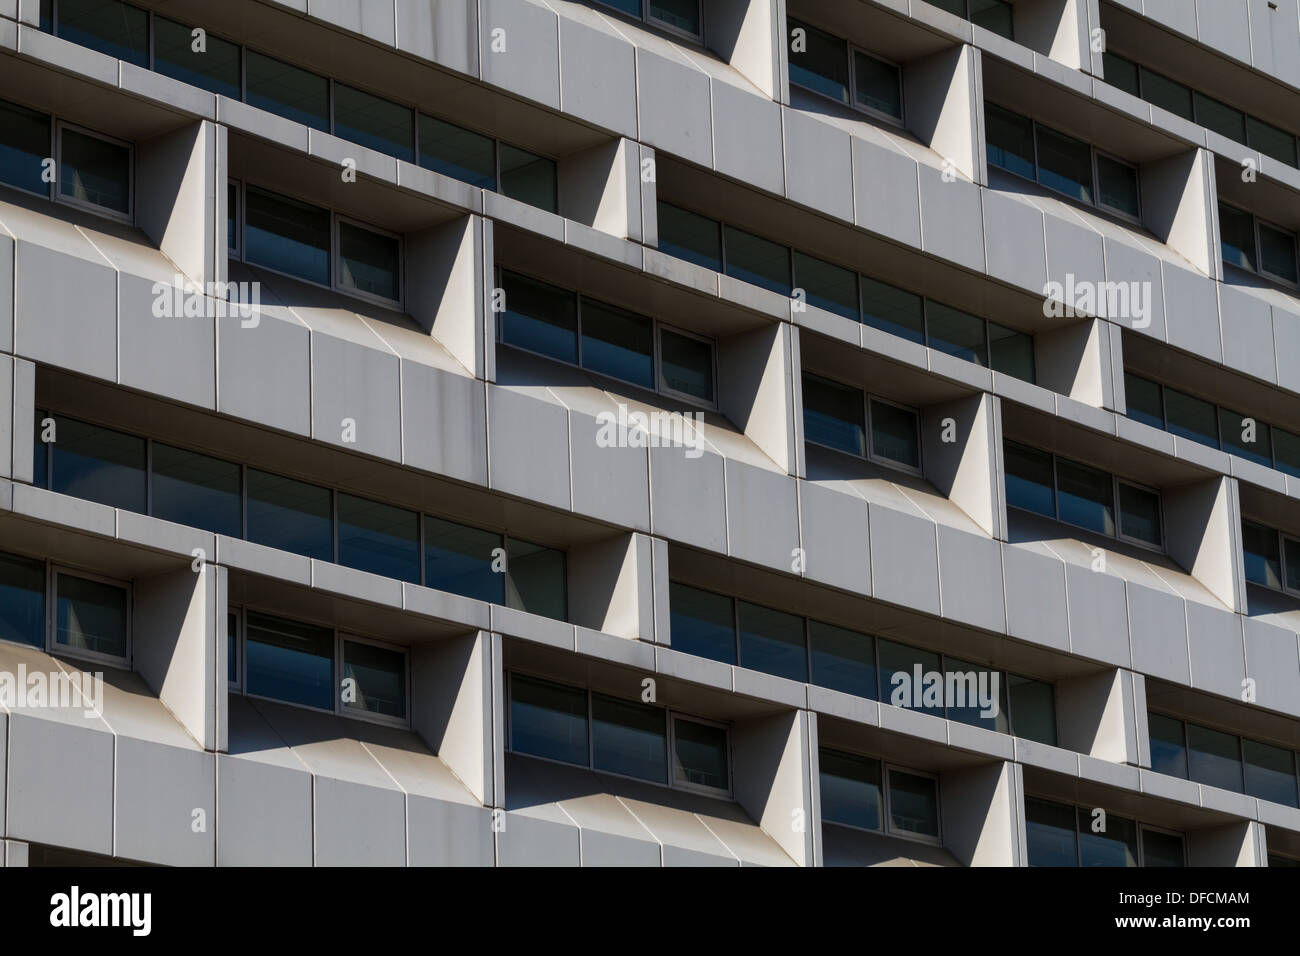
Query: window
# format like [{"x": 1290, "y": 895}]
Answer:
[
  {"x": 836, "y": 416},
  {"x": 369, "y": 262},
  {"x": 1270, "y": 772},
  {"x": 1168, "y": 746},
  {"x": 535, "y": 580},
  {"x": 24, "y": 143},
  {"x": 378, "y": 538},
  {"x": 1237, "y": 237},
  {"x": 374, "y": 680},
  {"x": 756, "y": 260},
  {"x": 618, "y": 343},
  {"x": 956, "y": 333},
  {"x": 458, "y": 152},
  {"x": 289, "y": 661},
  {"x": 1143, "y": 401},
  {"x": 1058, "y": 834},
  {"x": 1033, "y": 709},
  {"x": 702, "y": 623},
  {"x": 1051, "y": 832},
  {"x": 898, "y": 664},
  {"x": 1214, "y": 758},
  {"x": 1162, "y": 849},
  {"x": 1219, "y": 117},
  {"x": 1277, "y": 252},
  {"x": 98, "y": 464},
  {"x": 1271, "y": 141},
  {"x": 528, "y": 178},
  {"x": 843, "y": 660},
  {"x": 1167, "y": 94},
  {"x": 109, "y": 26},
  {"x": 1011, "y": 352},
  {"x": 877, "y": 85},
  {"x": 629, "y": 738},
  {"x": 1191, "y": 418},
  {"x": 1245, "y": 437},
  {"x": 1219, "y": 759},
  {"x": 91, "y": 617},
  {"x": 1263, "y": 555},
  {"x": 690, "y": 236},
  {"x": 1257, "y": 246},
  {"x": 772, "y": 641},
  {"x": 460, "y": 559},
  {"x": 1116, "y": 845},
  {"x": 22, "y": 600},
  {"x": 700, "y": 755},
  {"x": 851, "y": 791},
  {"x": 374, "y": 122},
  {"x": 1062, "y": 163},
  {"x": 686, "y": 365},
  {"x": 992, "y": 15},
  {"x": 197, "y": 490},
  {"x": 94, "y": 171},
  {"x": 913, "y": 804},
  {"x": 893, "y": 310},
  {"x": 234, "y": 224},
  {"x": 287, "y": 235},
  {"x": 1121, "y": 73},
  {"x": 216, "y": 68},
  {"x": 540, "y": 318},
  {"x": 287, "y": 91},
  {"x": 290, "y": 515},
  {"x": 234, "y": 668},
  {"x": 1085, "y": 497},
  {"x": 827, "y": 286},
  {"x": 827, "y": 65},
  {"x": 683, "y": 15}
]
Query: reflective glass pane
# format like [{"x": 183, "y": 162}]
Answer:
[
  {"x": 894, "y": 434},
  {"x": 1220, "y": 117},
  {"x": 99, "y": 464},
  {"x": 682, "y": 14},
  {"x": 913, "y": 804},
  {"x": 1065, "y": 164},
  {"x": 459, "y": 559},
  {"x": 40, "y": 451},
  {"x": 1030, "y": 484},
  {"x": 1191, "y": 418},
  {"x": 1168, "y": 748},
  {"x": 1262, "y": 555},
  {"x": 214, "y": 68},
  {"x": 1277, "y": 253},
  {"x": 232, "y": 648},
  {"x": 1087, "y": 496},
  {"x": 1010, "y": 140},
  {"x": 690, "y": 236},
  {"x": 910, "y": 677},
  {"x": 1286, "y": 452},
  {"x": 1117, "y": 186},
  {"x": 1270, "y": 772},
  {"x": 1142, "y": 397},
  {"x": 540, "y": 318},
  {"x": 373, "y": 121},
  {"x": 1050, "y": 833},
  {"x": 370, "y": 262},
  {"x": 290, "y": 515},
  {"x": 617, "y": 343},
  {"x": 95, "y": 171},
  {"x": 1121, "y": 73},
  {"x": 993, "y": 15},
  {"x": 1237, "y": 237},
  {"x": 1214, "y": 758},
  {"x": 287, "y": 235},
  {"x": 90, "y": 616},
  {"x": 548, "y": 720},
  {"x": 535, "y": 580},
  {"x": 819, "y": 61},
  {"x": 290, "y": 661},
  {"x": 976, "y": 694},
  {"x": 956, "y": 332},
  {"x": 850, "y": 789},
  {"x": 379, "y": 674},
  {"x": 826, "y": 285},
  {"x": 1291, "y": 548},
  {"x": 1033, "y": 709},
  {"x": 109, "y": 26},
  {"x": 1246, "y": 436},
  {"x": 22, "y": 600},
  {"x": 458, "y": 152},
  {"x": 702, "y": 623},
  {"x": 1011, "y": 352},
  {"x": 196, "y": 490},
  {"x": 529, "y": 178},
  {"x": 1116, "y": 844},
  {"x": 24, "y": 145},
  {"x": 629, "y": 738},
  {"x": 876, "y": 84},
  {"x": 287, "y": 91},
  {"x": 772, "y": 642},
  {"x": 834, "y": 415},
  {"x": 1162, "y": 849},
  {"x": 379, "y": 538},
  {"x": 1139, "y": 514},
  {"x": 843, "y": 660},
  {"x": 686, "y": 364},
  {"x": 1166, "y": 93},
  {"x": 700, "y": 755},
  {"x": 1270, "y": 141},
  {"x": 893, "y": 310},
  {"x": 754, "y": 259}
]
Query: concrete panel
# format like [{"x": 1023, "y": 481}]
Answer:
[
  {"x": 266, "y": 814},
  {"x": 1247, "y": 332},
  {"x": 529, "y": 841},
  {"x": 951, "y": 220},
  {"x": 359, "y": 825},
  {"x": 674, "y": 105},
  {"x": 1125, "y": 263},
  {"x": 1286, "y": 338},
  {"x": 448, "y": 834},
  {"x": 970, "y": 579},
  {"x": 688, "y": 498},
  {"x": 264, "y": 372},
  {"x": 598, "y": 82},
  {"x": 610, "y": 849},
  {"x": 835, "y": 538},
  {"x": 609, "y": 483},
  {"x": 1273, "y": 662},
  {"x": 1014, "y": 241},
  {"x": 1193, "y": 312},
  {"x": 173, "y": 356},
  {"x": 446, "y": 31},
  {"x": 818, "y": 165},
  {"x": 1035, "y": 590},
  {"x": 356, "y": 397},
  {"x": 60, "y": 784},
  {"x": 747, "y": 139},
  {"x": 979, "y": 814},
  {"x": 519, "y": 48},
  {"x": 904, "y": 560},
  {"x": 1158, "y": 626},
  {"x": 6, "y": 294},
  {"x": 1225, "y": 25},
  {"x": 1098, "y": 622},
  {"x": 885, "y": 189},
  {"x": 159, "y": 790},
  {"x": 1275, "y": 38},
  {"x": 444, "y": 423},
  {"x": 762, "y": 515},
  {"x": 528, "y": 447},
  {"x": 1214, "y": 640},
  {"x": 66, "y": 311}
]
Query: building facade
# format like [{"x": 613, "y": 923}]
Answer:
[{"x": 650, "y": 432}]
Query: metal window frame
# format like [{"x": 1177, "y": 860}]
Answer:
[
  {"x": 867, "y": 398},
  {"x": 343, "y": 709},
  {"x": 851, "y": 87},
  {"x": 337, "y": 221},
  {"x": 888, "y": 769},
  {"x": 52, "y": 646},
  {"x": 57, "y": 194}
]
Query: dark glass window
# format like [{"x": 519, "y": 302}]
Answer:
[
  {"x": 529, "y": 178},
  {"x": 458, "y": 152},
  {"x": 992, "y": 15},
  {"x": 540, "y": 318},
  {"x": 22, "y": 600},
  {"x": 1286, "y": 452},
  {"x": 1117, "y": 186},
  {"x": 196, "y": 490},
  {"x": 834, "y": 415},
  {"x": 287, "y": 235},
  {"x": 1167, "y": 94},
  {"x": 760, "y": 261},
  {"x": 822, "y": 64},
  {"x": 1271, "y": 141},
  {"x": 1162, "y": 849},
  {"x": 627, "y": 6},
  {"x": 1192, "y": 418},
  {"x": 1087, "y": 496},
  {"x": 956, "y": 333},
  {"x": 772, "y": 642},
  {"x": 290, "y": 661},
  {"x": 459, "y": 559},
  {"x": 1010, "y": 140},
  {"x": 898, "y": 664},
  {"x": 913, "y": 804},
  {"x": 109, "y": 26},
  {"x": 826, "y": 285},
  {"x": 379, "y": 538},
  {"x": 1270, "y": 772},
  {"x": 380, "y": 676},
  {"x": 843, "y": 660},
  {"x": 877, "y": 84},
  {"x": 1011, "y": 352},
  {"x": 1142, "y": 398},
  {"x": 893, "y": 310},
  {"x": 700, "y": 755},
  {"x": 232, "y": 217},
  {"x": 702, "y": 623},
  {"x": 850, "y": 789},
  {"x": 686, "y": 364},
  {"x": 1030, "y": 482},
  {"x": 682, "y": 14},
  {"x": 1248, "y": 439},
  {"x": 1220, "y": 117},
  {"x": 95, "y": 171},
  {"x": 99, "y": 464},
  {"x": 370, "y": 262},
  {"x": 1064, "y": 164},
  {"x": 629, "y": 738},
  {"x": 374, "y": 122},
  {"x": 1168, "y": 745},
  {"x": 1116, "y": 845},
  {"x": 974, "y": 686},
  {"x": 1277, "y": 253},
  {"x": 1237, "y": 237},
  {"x": 24, "y": 145},
  {"x": 40, "y": 452},
  {"x": 894, "y": 434},
  {"x": 1050, "y": 833},
  {"x": 1291, "y": 547},
  {"x": 215, "y": 68},
  {"x": 90, "y": 616},
  {"x": 618, "y": 343},
  {"x": 1033, "y": 709},
  {"x": 290, "y": 515},
  {"x": 1139, "y": 514},
  {"x": 1121, "y": 73},
  {"x": 1214, "y": 758},
  {"x": 535, "y": 580},
  {"x": 1262, "y": 555},
  {"x": 287, "y": 91},
  {"x": 548, "y": 720},
  {"x": 690, "y": 236},
  {"x": 232, "y": 648}
]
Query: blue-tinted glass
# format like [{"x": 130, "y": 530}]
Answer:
[
  {"x": 956, "y": 7},
  {"x": 373, "y": 121},
  {"x": 1116, "y": 845},
  {"x": 1214, "y": 758},
  {"x": 772, "y": 642},
  {"x": 1142, "y": 398},
  {"x": 752, "y": 258},
  {"x": 1270, "y": 141},
  {"x": 458, "y": 152},
  {"x": 459, "y": 559},
  {"x": 993, "y": 15},
  {"x": 46, "y": 16},
  {"x": 287, "y": 91},
  {"x": 819, "y": 61},
  {"x": 843, "y": 660},
  {"x": 1087, "y": 496},
  {"x": 834, "y": 415},
  {"x": 1220, "y": 117},
  {"x": 1050, "y": 833},
  {"x": 1011, "y": 352},
  {"x": 1277, "y": 255},
  {"x": 1121, "y": 73},
  {"x": 1165, "y": 93},
  {"x": 540, "y": 318},
  {"x": 22, "y": 600},
  {"x": 1010, "y": 140},
  {"x": 893, "y": 310},
  {"x": 1117, "y": 186},
  {"x": 287, "y": 235},
  {"x": 913, "y": 804},
  {"x": 876, "y": 84},
  {"x": 290, "y": 661},
  {"x": 617, "y": 343},
  {"x": 548, "y": 720},
  {"x": 535, "y": 580},
  {"x": 629, "y": 738},
  {"x": 99, "y": 464},
  {"x": 894, "y": 434},
  {"x": 1246, "y": 436},
  {"x": 700, "y": 755},
  {"x": 702, "y": 623},
  {"x": 232, "y": 217},
  {"x": 232, "y": 648},
  {"x": 1064, "y": 164},
  {"x": 109, "y": 26},
  {"x": 682, "y": 14},
  {"x": 1237, "y": 237},
  {"x": 40, "y": 452},
  {"x": 90, "y": 616},
  {"x": 290, "y": 515},
  {"x": 1030, "y": 484},
  {"x": 1291, "y": 550},
  {"x": 632, "y": 7},
  {"x": 1286, "y": 452},
  {"x": 686, "y": 364},
  {"x": 529, "y": 178},
  {"x": 1192, "y": 418},
  {"x": 215, "y": 68},
  {"x": 1270, "y": 772},
  {"x": 1033, "y": 709},
  {"x": 1262, "y": 555},
  {"x": 690, "y": 236},
  {"x": 850, "y": 789},
  {"x": 1162, "y": 849},
  {"x": 978, "y": 695},
  {"x": 24, "y": 145},
  {"x": 196, "y": 490},
  {"x": 95, "y": 171},
  {"x": 380, "y": 679},
  {"x": 1168, "y": 749},
  {"x": 369, "y": 262},
  {"x": 379, "y": 538},
  {"x": 826, "y": 285},
  {"x": 956, "y": 333},
  {"x": 1139, "y": 514},
  {"x": 899, "y": 684}
]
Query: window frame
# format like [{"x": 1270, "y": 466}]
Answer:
[
  {"x": 336, "y": 242},
  {"x": 1282, "y": 539},
  {"x": 1119, "y": 514},
  {"x": 53, "y": 647},
  {"x": 867, "y": 398},
  {"x": 56, "y": 192},
  {"x": 645, "y": 18},
  {"x": 344, "y": 710},
  {"x": 1255, "y": 222},
  {"x": 887, "y": 828},
  {"x": 676, "y": 784},
  {"x": 661, "y": 386},
  {"x": 1098, "y": 153},
  {"x": 1142, "y": 848},
  {"x": 854, "y": 103}
]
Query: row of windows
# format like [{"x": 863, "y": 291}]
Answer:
[
  {"x": 1059, "y": 834},
  {"x": 1250, "y": 243},
  {"x": 847, "y": 419},
  {"x": 56, "y": 609},
  {"x": 91, "y": 171},
  {"x": 154, "y": 42},
  {"x": 317, "y": 667},
  {"x": 1062, "y": 163},
  {"x": 573, "y": 328},
  {"x": 832, "y": 67},
  {"x": 722, "y": 247},
  {"x": 680, "y": 15},
  {"x": 1195, "y": 106},
  {"x": 1272, "y": 558},
  {"x": 1198, "y": 420},
  {"x": 864, "y": 793},
  {"x": 149, "y": 477},
  {"x": 786, "y": 645},
  {"x": 1217, "y": 759},
  {"x": 1081, "y": 495},
  {"x": 613, "y": 735}
]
